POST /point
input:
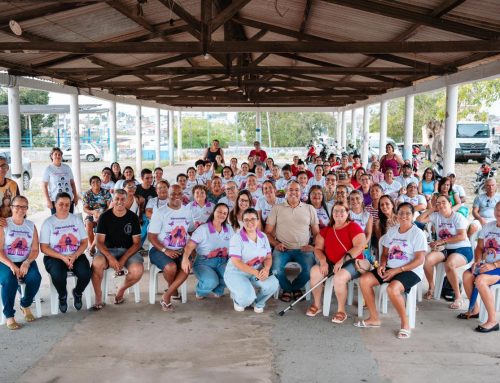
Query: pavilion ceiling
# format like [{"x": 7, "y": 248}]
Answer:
[{"x": 246, "y": 52}]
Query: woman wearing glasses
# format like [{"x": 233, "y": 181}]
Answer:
[
  {"x": 249, "y": 264},
  {"x": 132, "y": 203},
  {"x": 243, "y": 202},
  {"x": 18, "y": 252}
]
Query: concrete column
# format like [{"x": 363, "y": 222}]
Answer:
[
  {"x": 75, "y": 141},
  {"x": 450, "y": 135},
  {"x": 157, "y": 139},
  {"x": 343, "y": 145},
  {"x": 338, "y": 130},
  {"x": 179, "y": 136},
  {"x": 113, "y": 149},
  {"x": 171, "y": 137},
  {"x": 408, "y": 126},
  {"x": 258, "y": 127},
  {"x": 138, "y": 140},
  {"x": 383, "y": 127},
  {"x": 352, "y": 136},
  {"x": 366, "y": 131},
  {"x": 16, "y": 162}
]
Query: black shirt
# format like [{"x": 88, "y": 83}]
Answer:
[
  {"x": 147, "y": 194},
  {"x": 118, "y": 230}
]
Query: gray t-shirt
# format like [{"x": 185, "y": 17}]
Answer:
[{"x": 486, "y": 205}]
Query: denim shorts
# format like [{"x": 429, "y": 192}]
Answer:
[
  {"x": 160, "y": 260},
  {"x": 348, "y": 266},
  {"x": 465, "y": 252},
  {"x": 118, "y": 252}
]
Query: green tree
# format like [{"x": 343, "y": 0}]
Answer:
[{"x": 38, "y": 121}]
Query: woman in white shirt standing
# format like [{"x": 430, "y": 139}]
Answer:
[
  {"x": 63, "y": 240},
  {"x": 18, "y": 253},
  {"x": 211, "y": 242},
  {"x": 249, "y": 266},
  {"x": 451, "y": 247},
  {"x": 403, "y": 255}
]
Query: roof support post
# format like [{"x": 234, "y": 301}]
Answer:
[
  {"x": 258, "y": 126},
  {"x": 450, "y": 129},
  {"x": 179, "y": 136},
  {"x": 157, "y": 139},
  {"x": 171, "y": 137},
  {"x": 344, "y": 131},
  {"x": 113, "y": 152},
  {"x": 366, "y": 133},
  {"x": 75, "y": 141},
  {"x": 338, "y": 133},
  {"x": 15, "y": 135},
  {"x": 352, "y": 135},
  {"x": 138, "y": 139},
  {"x": 383, "y": 127},
  {"x": 408, "y": 126}
]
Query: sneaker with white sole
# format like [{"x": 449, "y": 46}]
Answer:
[
  {"x": 238, "y": 308},
  {"x": 258, "y": 310}
]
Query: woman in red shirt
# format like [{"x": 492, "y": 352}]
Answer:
[{"x": 339, "y": 246}]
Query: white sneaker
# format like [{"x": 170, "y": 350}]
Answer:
[
  {"x": 258, "y": 310},
  {"x": 238, "y": 307}
]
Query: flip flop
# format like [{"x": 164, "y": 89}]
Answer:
[
  {"x": 339, "y": 317},
  {"x": 467, "y": 316},
  {"x": 119, "y": 301},
  {"x": 429, "y": 295},
  {"x": 363, "y": 324},
  {"x": 28, "y": 315},
  {"x": 13, "y": 326},
  {"x": 404, "y": 334},
  {"x": 167, "y": 307},
  {"x": 97, "y": 307},
  {"x": 286, "y": 297},
  {"x": 312, "y": 311}
]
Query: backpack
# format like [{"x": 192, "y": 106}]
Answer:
[{"x": 447, "y": 292}]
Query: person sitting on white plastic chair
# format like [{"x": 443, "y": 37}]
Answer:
[
  {"x": 18, "y": 253},
  {"x": 485, "y": 272},
  {"x": 403, "y": 255},
  {"x": 118, "y": 243},
  {"x": 338, "y": 248},
  {"x": 452, "y": 246}
]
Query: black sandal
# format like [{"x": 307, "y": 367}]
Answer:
[
  {"x": 467, "y": 316},
  {"x": 286, "y": 297}
]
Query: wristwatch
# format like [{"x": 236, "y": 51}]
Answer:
[{"x": 163, "y": 250}]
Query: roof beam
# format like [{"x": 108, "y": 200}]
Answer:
[
  {"x": 183, "y": 14},
  {"x": 415, "y": 15},
  {"x": 283, "y": 94},
  {"x": 307, "y": 10},
  {"x": 370, "y": 47},
  {"x": 227, "y": 13}
]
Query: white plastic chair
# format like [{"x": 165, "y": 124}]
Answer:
[
  {"x": 411, "y": 302},
  {"x": 483, "y": 314},
  {"x": 109, "y": 273},
  {"x": 327, "y": 296},
  {"x": 38, "y": 304},
  {"x": 153, "y": 285},
  {"x": 54, "y": 297},
  {"x": 307, "y": 286}
]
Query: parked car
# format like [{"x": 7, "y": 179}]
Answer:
[
  {"x": 88, "y": 152},
  {"x": 374, "y": 145},
  {"x": 27, "y": 174}
]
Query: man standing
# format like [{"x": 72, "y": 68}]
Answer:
[
  {"x": 118, "y": 243},
  {"x": 8, "y": 189},
  {"x": 169, "y": 233},
  {"x": 289, "y": 228},
  {"x": 258, "y": 153},
  {"x": 146, "y": 191}
]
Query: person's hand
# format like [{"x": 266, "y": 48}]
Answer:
[
  {"x": 3, "y": 222},
  {"x": 75, "y": 200},
  {"x": 402, "y": 191},
  {"x": 482, "y": 221},
  {"x": 263, "y": 274},
  {"x": 381, "y": 271},
  {"x": 186, "y": 265},
  {"x": 280, "y": 247},
  {"x": 338, "y": 266},
  {"x": 174, "y": 254},
  {"x": 307, "y": 249},
  {"x": 435, "y": 244},
  {"x": 323, "y": 268},
  {"x": 15, "y": 270},
  {"x": 114, "y": 264},
  {"x": 95, "y": 214},
  {"x": 49, "y": 204},
  {"x": 485, "y": 267},
  {"x": 121, "y": 262},
  {"x": 389, "y": 274},
  {"x": 24, "y": 269},
  {"x": 71, "y": 259}
]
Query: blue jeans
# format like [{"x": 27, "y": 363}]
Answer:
[
  {"x": 304, "y": 259},
  {"x": 58, "y": 271},
  {"x": 242, "y": 286},
  {"x": 10, "y": 285},
  {"x": 210, "y": 274}
]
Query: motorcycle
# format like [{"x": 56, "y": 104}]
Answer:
[
  {"x": 311, "y": 153},
  {"x": 438, "y": 170},
  {"x": 484, "y": 172}
]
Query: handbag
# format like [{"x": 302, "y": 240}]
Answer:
[{"x": 361, "y": 265}]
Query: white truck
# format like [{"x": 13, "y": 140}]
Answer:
[{"x": 473, "y": 141}]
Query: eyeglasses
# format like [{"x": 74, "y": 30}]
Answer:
[
  {"x": 249, "y": 220},
  {"x": 4, "y": 167},
  {"x": 244, "y": 200},
  {"x": 22, "y": 207},
  {"x": 231, "y": 188}
]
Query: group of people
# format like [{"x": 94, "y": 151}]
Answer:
[{"x": 239, "y": 226}]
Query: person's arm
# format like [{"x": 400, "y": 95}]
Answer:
[
  {"x": 187, "y": 260},
  {"x": 478, "y": 251},
  {"x": 376, "y": 229},
  {"x": 222, "y": 155},
  {"x": 75, "y": 192},
  {"x": 358, "y": 245},
  {"x": 136, "y": 245},
  {"x": 475, "y": 214},
  {"x": 425, "y": 216},
  {"x": 417, "y": 261},
  {"x": 81, "y": 249},
  {"x": 205, "y": 156},
  {"x": 103, "y": 249},
  {"x": 242, "y": 266},
  {"x": 460, "y": 236},
  {"x": 149, "y": 212},
  {"x": 369, "y": 230},
  {"x": 153, "y": 239},
  {"x": 34, "y": 251},
  {"x": 4, "y": 259},
  {"x": 45, "y": 189},
  {"x": 420, "y": 188},
  {"x": 319, "y": 253},
  {"x": 421, "y": 206},
  {"x": 458, "y": 202}
]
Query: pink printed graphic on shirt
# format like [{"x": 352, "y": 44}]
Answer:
[
  {"x": 491, "y": 248},
  {"x": 19, "y": 247},
  {"x": 254, "y": 262},
  {"x": 176, "y": 238},
  {"x": 221, "y": 252},
  {"x": 444, "y": 233},
  {"x": 395, "y": 252},
  {"x": 68, "y": 243}
]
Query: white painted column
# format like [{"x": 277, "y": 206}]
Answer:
[
  {"x": 113, "y": 149},
  {"x": 383, "y": 128},
  {"x": 268, "y": 130},
  {"x": 157, "y": 139},
  {"x": 338, "y": 130},
  {"x": 258, "y": 127},
  {"x": 450, "y": 129},
  {"x": 352, "y": 136},
  {"x": 75, "y": 141},
  {"x": 16, "y": 162},
  {"x": 138, "y": 140},
  {"x": 171, "y": 137},
  {"x": 366, "y": 131},
  {"x": 343, "y": 145},
  {"x": 408, "y": 126},
  {"x": 179, "y": 136}
]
